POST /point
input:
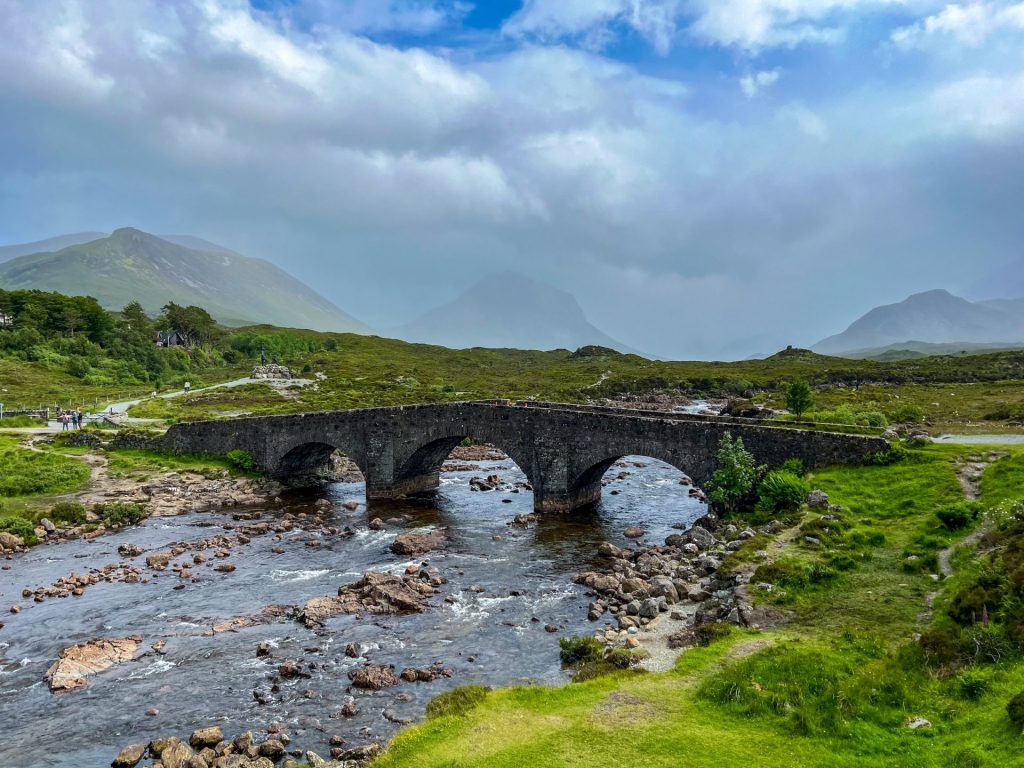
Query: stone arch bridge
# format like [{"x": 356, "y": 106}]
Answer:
[{"x": 563, "y": 449}]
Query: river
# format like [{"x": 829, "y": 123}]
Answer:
[{"x": 493, "y": 637}]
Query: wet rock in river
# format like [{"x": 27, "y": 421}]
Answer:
[
  {"x": 412, "y": 544},
  {"x": 206, "y": 737},
  {"x": 373, "y": 677},
  {"x": 426, "y": 674},
  {"x": 78, "y": 662},
  {"x": 375, "y": 593},
  {"x": 129, "y": 756}
]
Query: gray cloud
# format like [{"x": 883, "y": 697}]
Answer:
[{"x": 391, "y": 178}]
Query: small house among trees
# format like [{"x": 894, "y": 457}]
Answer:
[
  {"x": 6, "y": 320},
  {"x": 172, "y": 338}
]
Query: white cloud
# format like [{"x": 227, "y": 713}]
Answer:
[
  {"x": 755, "y": 82},
  {"x": 754, "y": 24},
  {"x": 986, "y": 106},
  {"x": 806, "y": 120},
  {"x": 969, "y": 24},
  {"x": 593, "y": 21}
]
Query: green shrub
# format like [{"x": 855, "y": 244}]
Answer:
[
  {"x": 959, "y": 515},
  {"x": 67, "y": 513},
  {"x": 576, "y": 650},
  {"x": 794, "y": 467},
  {"x": 975, "y": 598},
  {"x": 20, "y": 527},
  {"x": 942, "y": 648},
  {"x": 781, "y": 491},
  {"x": 971, "y": 686},
  {"x": 118, "y": 514},
  {"x": 240, "y": 460},
  {"x": 706, "y": 634},
  {"x": 456, "y": 702},
  {"x": 735, "y": 476},
  {"x": 909, "y": 414},
  {"x": 894, "y": 454},
  {"x": 798, "y": 398},
  {"x": 1015, "y": 709}
]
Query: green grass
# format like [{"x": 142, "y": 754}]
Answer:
[{"x": 28, "y": 473}]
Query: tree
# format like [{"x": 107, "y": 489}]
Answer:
[
  {"x": 194, "y": 323},
  {"x": 798, "y": 397},
  {"x": 736, "y": 473},
  {"x": 136, "y": 320}
]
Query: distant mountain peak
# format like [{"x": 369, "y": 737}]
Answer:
[
  {"x": 130, "y": 264},
  {"x": 509, "y": 309},
  {"x": 936, "y": 317}
]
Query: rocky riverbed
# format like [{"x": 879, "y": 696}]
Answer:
[{"x": 322, "y": 621}]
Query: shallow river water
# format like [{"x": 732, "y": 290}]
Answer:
[{"x": 491, "y": 637}]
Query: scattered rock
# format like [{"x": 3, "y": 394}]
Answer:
[
  {"x": 79, "y": 662},
  {"x": 373, "y": 677},
  {"x": 413, "y": 544}
]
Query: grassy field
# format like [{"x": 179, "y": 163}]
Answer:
[{"x": 832, "y": 688}]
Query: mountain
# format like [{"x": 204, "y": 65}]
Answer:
[
  {"x": 509, "y": 310},
  {"x": 934, "y": 317},
  {"x": 133, "y": 265},
  {"x": 8, "y": 252}
]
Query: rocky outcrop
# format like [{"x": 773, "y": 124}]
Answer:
[
  {"x": 375, "y": 593},
  {"x": 413, "y": 544},
  {"x": 373, "y": 677},
  {"x": 271, "y": 371},
  {"x": 79, "y": 662}
]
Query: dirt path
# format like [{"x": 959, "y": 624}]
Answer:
[{"x": 969, "y": 474}]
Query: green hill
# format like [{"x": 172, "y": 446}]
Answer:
[{"x": 133, "y": 265}]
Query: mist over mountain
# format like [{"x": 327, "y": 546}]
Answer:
[
  {"x": 8, "y": 252},
  {"x": 935, "y": 317},
  {"x": 134, "y": 265},
  {"x": 508, "y": 310}
]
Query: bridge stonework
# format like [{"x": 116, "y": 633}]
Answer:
[{"x": 563, "y": 449}]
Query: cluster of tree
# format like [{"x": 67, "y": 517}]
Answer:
[{"x": 75, "y": 332}]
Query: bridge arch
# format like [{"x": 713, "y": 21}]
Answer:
[
  {"x": 588, "y": 486},
  {"x": 420, "y": 470},
  {"x": 310, "y": 456}
]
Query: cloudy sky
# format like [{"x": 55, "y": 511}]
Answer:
[{"x": 708, "y": 177}]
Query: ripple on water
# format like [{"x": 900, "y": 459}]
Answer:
[{"x": 302, "y": 575}]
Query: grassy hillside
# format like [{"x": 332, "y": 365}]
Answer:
[{"x": 135, "y": 266}]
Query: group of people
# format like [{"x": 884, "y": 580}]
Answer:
[{"x": 71, "y": 420}]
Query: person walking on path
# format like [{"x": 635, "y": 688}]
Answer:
[
  {"x": 64, "y": 422},
  {"x": 188, "y": 386},
  {"x": 74, "y": 419}
]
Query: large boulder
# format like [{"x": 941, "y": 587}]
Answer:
[
  {"x": 373, "y": 677},
  {"x": 413, "y": 544},
  {"x": 79, "y": 662},
  {"x": 206, "y": 737},
  {"x": 10, "y": 541},
  {"x": 701, "y": 537},
  {"x": 817, "y": 499},
  {"x": 129, "y": 757},
  {"x": 376, "y": 592}
]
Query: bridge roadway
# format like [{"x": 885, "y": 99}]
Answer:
[{"x": 563, "y": 449}]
